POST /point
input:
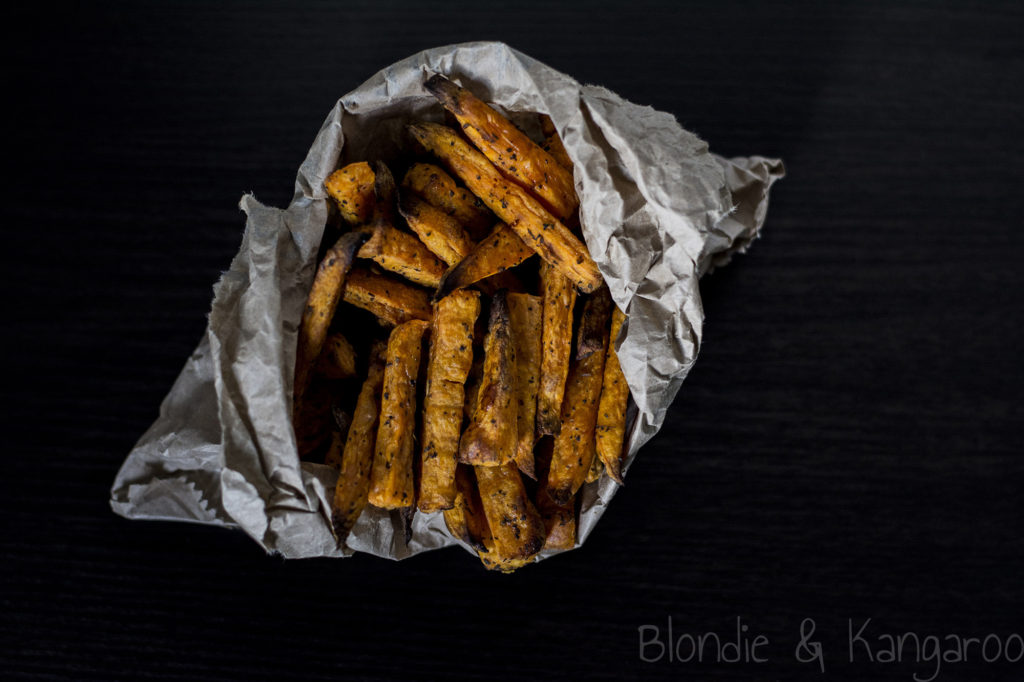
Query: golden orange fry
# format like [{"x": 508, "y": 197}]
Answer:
[
  {"x": 391, "y": 480},
  {"x": 490, "y": 438},
  {"x": 559, "y": 298},
  {"x": 439, "y": 189},
  {"x": 391, "y": 300},
  {"x": 508, "y": 148},
  {"x": 353, "y": 487},
  {"x": 328, "y": 284},
  {"x": 497, "y": 252},
  {"x": 441, "y": 233},
  {"x": 526, "y": 316},
  {"x": 611, "y": 411},
  {"x": 516, "y": 525},
  {"x": 574, "y": 448},
  {"x": 352, "y": 189},
  {"x": 451, "y": 356},
  {"x": 537, "y": 227},
  {"x": 403, "y": 254}
]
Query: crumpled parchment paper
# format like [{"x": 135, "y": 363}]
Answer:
[{"x": 657, "y": 211}]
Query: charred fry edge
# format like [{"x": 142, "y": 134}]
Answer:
[
  {"x": 537, "y": 227},
  {"x": 515, "y": 523},
  {"x": 508, "y": 148},
  {"x": 324, "y": 295},
  {"x": 490, "y": 438},
  {"x": 575, "y": 447}
]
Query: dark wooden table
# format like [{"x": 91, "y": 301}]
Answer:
[{"x": 848, "y": 446}]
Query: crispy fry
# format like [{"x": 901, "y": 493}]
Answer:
[
  {"x": 353, "y": 487},
  {"x": 438, "y": 188},
  {"x": 338, "y": 358},
  {"x": 391, "y": 480},
  {"x": 352, "y": 189},
  {"x": 559, "y": 299},
  {"x": 451, "y": 356},
  {"x": 508, "y": 148},
  {"x": 465, "y": 519},
  {"x": 323, "y": 298},
  {"x": 391, "y": 300},
  {"x": 574, "y": 445},
  {"x": 611, "y": 412},
  {"x": 442, "y": 233},
  {"x": 540, "y": 230},
  {"x": 500, "y": 250},
  {"x": 559, "y": 519},
  {"x": 515, "y": 523},
  {"x": 553, "y": 146},
  {"x": 526, "y": 316},
  {"x": 592, "y": 336},
  {"x": 451, "y": 343},
  {"x": 403, "y": 254},
  {"x": 490, "y": 438}
]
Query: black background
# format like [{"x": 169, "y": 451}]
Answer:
[{"x": 847, "y": 446}]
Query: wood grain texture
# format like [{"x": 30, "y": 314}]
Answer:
[{"x": 847, "y": 446}]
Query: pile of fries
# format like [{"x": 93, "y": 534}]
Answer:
[{"x": 436, "y": 367}]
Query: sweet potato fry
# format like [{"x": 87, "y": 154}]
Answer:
[
  {"x": 391, "y": 300},
  {"x": 465, "y": 519},
  {"x": 500, "y": 250},
  {"x": 508, "y": 148},
  {"x": 439, "y": 189},
  {"x": 534, "y": 224},
  {"x": 403, "y": 254},
  {"x": 451, "y": 343},
  {"x": 442, "y": 234},
  {"x": 338, "y": 358},
  {"x": 352, "y": 189},
  {"x": 328, "y": 284},
  {"x": 353, "y": 487},
  {"x": 559, "y": 519},
  {"x": 451, "y": 356},
  {"x": 611, "y": 412},
  {"x": 490, "y": 438},
  {"x": 525, "y": 314},
  {"x": 574, "y": 448},
  {"x": 515, "y": 523},
  {"x": 391, "y": 479},
  {"x": 559, "y": 299}
]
